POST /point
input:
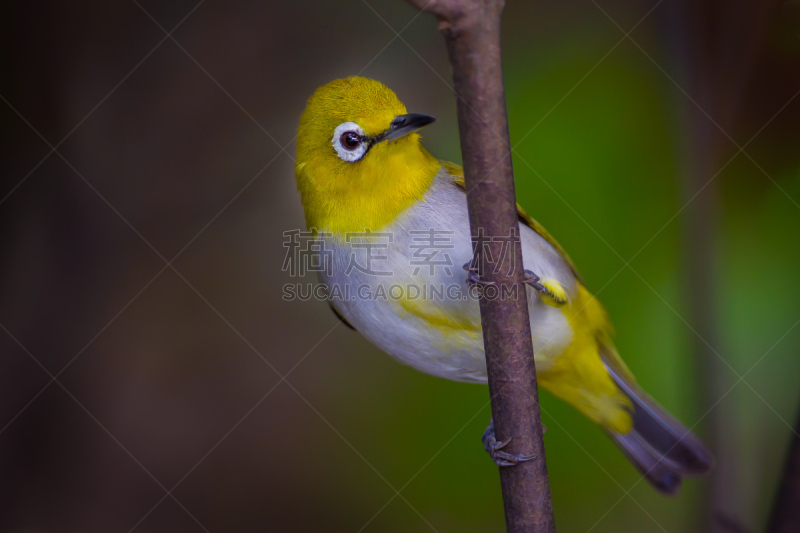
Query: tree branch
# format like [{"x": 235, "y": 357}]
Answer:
[
  {"x": 472, "y": 31},
  {"x": 786, "y": 511}
]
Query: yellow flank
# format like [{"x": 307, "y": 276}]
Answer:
[
  {"x": 438, "y": 316},
  {"x": 341, "y": 196},
  {"x": 578, "y": 374}
]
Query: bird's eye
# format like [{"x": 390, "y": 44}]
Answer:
[{"x": 350, "y": 140}]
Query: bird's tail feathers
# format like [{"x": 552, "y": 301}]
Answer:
[{"x": 660, "y": 447}]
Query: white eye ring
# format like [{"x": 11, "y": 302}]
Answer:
[{"x": 348, "y": 154}]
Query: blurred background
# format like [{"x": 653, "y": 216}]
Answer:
[{"x": 146, "y": 180}]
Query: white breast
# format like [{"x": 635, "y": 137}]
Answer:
[{"x": 408, "y": 260}]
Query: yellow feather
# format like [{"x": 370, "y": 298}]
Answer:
[{"x": 579, "y": 376}]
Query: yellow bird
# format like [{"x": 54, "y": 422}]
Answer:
[{"x": 393, "y": 231}]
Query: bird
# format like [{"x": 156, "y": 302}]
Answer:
[{"x": 392, "y": 231}]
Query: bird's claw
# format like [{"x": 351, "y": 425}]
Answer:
[
  {"x": 474, "y": 277},
  {"x": 495, "y": 449},
  {"x": 502, "y": 458},
  {"x": 529, "y": 278}
]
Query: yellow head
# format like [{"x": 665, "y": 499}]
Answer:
[{"x": 359, "y": 161}]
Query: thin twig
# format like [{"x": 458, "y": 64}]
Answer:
[{"x": 472, "y": 31}]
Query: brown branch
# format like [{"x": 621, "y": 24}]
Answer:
[
  {"x": 472, "y": 32},
  {"x": 786, "y": 511}
]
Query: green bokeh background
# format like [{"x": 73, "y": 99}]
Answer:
[{"x": 598, "y": 131}]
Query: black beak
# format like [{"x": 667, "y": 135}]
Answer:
[{"x": 404, "y": 124}]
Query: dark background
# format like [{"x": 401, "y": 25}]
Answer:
[{"x": 144, "y": 335}]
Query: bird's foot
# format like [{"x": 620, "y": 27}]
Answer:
[
  {"x": 552, "y": 291},
  {"x": 495, "y": 449},
  {"x": 474, "y": 277}
]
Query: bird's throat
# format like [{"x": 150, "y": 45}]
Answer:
[{"x": 367, "y": 195}]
